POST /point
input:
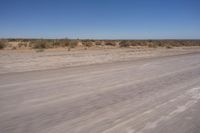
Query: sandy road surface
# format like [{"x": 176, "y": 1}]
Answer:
[
  {"x": 29, "y": 60},
  {"x": 155, "y": 95}
]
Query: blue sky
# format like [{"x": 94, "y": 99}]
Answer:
[{"x": 100, "y": 19}]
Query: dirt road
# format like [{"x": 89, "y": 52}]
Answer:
[{"x": 154, "y": 95}]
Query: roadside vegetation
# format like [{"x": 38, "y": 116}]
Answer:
[
  {"x": 70, "y": 44},
  {"x": 2, "y": 44}
]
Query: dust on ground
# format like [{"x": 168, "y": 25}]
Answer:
[{"x": 29, "y": 60}]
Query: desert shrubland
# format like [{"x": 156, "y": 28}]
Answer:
[
  {"x": 3, "y": 44},
  {"x": 72, "y": 43}
]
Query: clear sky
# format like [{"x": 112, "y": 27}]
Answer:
[{"x": 100, "y": 19}]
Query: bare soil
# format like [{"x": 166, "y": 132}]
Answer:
[{"x": 29, "y": 60}]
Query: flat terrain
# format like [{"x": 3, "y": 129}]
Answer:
[
  {"x": 158, "y": 94},
  {"x": 29, "y": 60}
]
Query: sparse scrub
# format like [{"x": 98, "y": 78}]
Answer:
[
  {"x": 152, "y": 45},
  {"x": 14, "y": 48},
  {"x": 87, "y": 44},
  {"x": 2, "y": 44},
  {"x": 98, "y": 43},
  {"x": 124, "y": 44},
  {"x": 134, "y": 43},
  {"x": 110, "y": 44},
  {"x": 66, "y": 43},
  {"x": 56, "y": 44},
  {"x": 160, "y": 43},
  {"x": 63, "y": 43},
  {"x": 169, "y": 47},
  {"x": 39, "y": 50},
  {"x": 22, "y": 44},
  {"x": 40, "y": 45},
  {"x": 72, "y": 44}
]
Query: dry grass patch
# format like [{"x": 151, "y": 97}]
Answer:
[{"x": 2, "y": 44}]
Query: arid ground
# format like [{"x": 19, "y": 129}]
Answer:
[{"x": 120, "y": 90}]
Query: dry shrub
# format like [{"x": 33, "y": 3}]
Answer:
[
  {"x": 134, "y": 43},
  {"x": 152, "y": 45},
  {"x": 87, "y": 44},
  {"x": 2, "y": 44},
  {"x": 124, "y": 44},
  {"x": 98, "y": 43},
  {"x": 169, "y": 47},
  {"x": 73, "y": 44},
  {"x": 56, "y": 44},
  {"x": 22, "y": 44},
  {"x": 14, "y": 48},
  {"x": 60, "y": 43},
  {"x": 110, "y": 44},
  {"x": 40, "y": 45},
  {"x": 66, "y": 43},
  {"x": 39, "y": 50}
]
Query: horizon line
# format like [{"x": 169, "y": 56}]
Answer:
[{"x": 52, "y": 38}]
